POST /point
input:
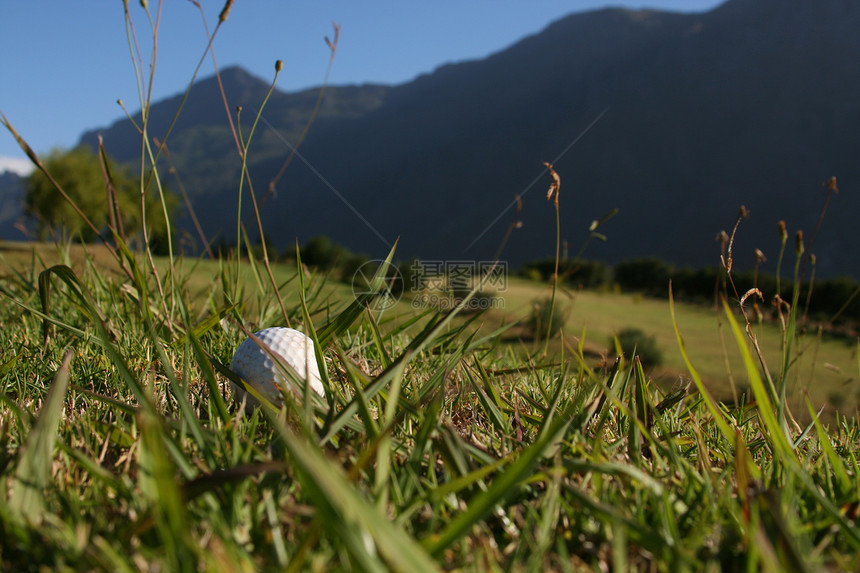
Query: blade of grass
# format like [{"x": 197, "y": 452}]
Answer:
[
  {"x": 837, "y": 467},
  {"x": 347, "y": 316},
  {"x": 364, "y": 530},
  {"x": 33, "y": 472},
  {"x": 502, "y": 486},
  {"x": 773, "y": 429},
  {"x": 67, "y": 275},
  {"x": 715, "y": 412},
  {"x": 159, "y": 485},
  {"x": 377, "y": 339}
]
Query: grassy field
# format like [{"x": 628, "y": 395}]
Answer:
[
  {"x": 825, "y": 370},
  {"x": 442, "y": 444}
]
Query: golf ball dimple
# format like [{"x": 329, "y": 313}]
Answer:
[{"x": 258, "y": 369}]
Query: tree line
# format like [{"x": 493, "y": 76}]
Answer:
[{"x": 835, "y": 300}]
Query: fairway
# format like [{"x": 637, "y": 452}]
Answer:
[{"x": 822, "y": 368}]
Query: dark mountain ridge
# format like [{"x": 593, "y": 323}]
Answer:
[
  {"x": 756, "y": 102},
  {"x": 11, "y": 205}
]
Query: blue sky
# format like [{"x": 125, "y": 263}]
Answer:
[{"x": 65, "y": 64}]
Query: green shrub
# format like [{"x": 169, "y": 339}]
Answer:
[
  {"x": 322, "y": 253},
  {"x": 349, "y": 267},
  {"x": 539, "y": 318},
  {"x": 413, "y": 274},
  {"x": 573, "y": 272},
  {"x": 482, "y": 300},
  {"x": 649, "y": 275},
  {"x": 635, "y": 342}
]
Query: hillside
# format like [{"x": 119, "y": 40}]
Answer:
[
  {"x": 11, "y": 205},
  {"x": 756, "y": 103}
]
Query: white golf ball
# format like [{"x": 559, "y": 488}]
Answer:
[{"x": 258, "y": 369}]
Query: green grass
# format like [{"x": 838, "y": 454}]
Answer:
[
  {"x": 825, "y": 369},
  {"x": 444, "y": 442},
  {"x": 440, "y": 449}
]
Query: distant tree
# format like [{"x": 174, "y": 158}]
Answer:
[
  {"x": 413, "y": 274},
  {"x": 695, "y": 285},
  {"x": 350, "y": 266},
  {"x": 575, "y": 272},
  {"x": 271, "y": 248},
  {"x": 650, "y": 276},
  {"x": 79, "y": 174},
  {"x": 322, "y": 253},
  {"x": 836, "y": 297}
]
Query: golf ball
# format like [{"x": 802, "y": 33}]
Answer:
[{"x": 261, "y": 372}]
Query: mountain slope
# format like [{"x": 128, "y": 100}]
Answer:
[
  {"x": 754, "y": 103},
  {"x": 11, "y": 205}
]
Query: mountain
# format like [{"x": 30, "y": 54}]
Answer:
[
  {"x": 11, "y": 205},
  {"x": 754, "y": 103}
]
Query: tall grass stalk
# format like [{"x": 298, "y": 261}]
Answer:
[
  {"x": 553, "y": 195},
  {"x": 144, "y": 88},
  {"x": 245, "y": 179}
]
